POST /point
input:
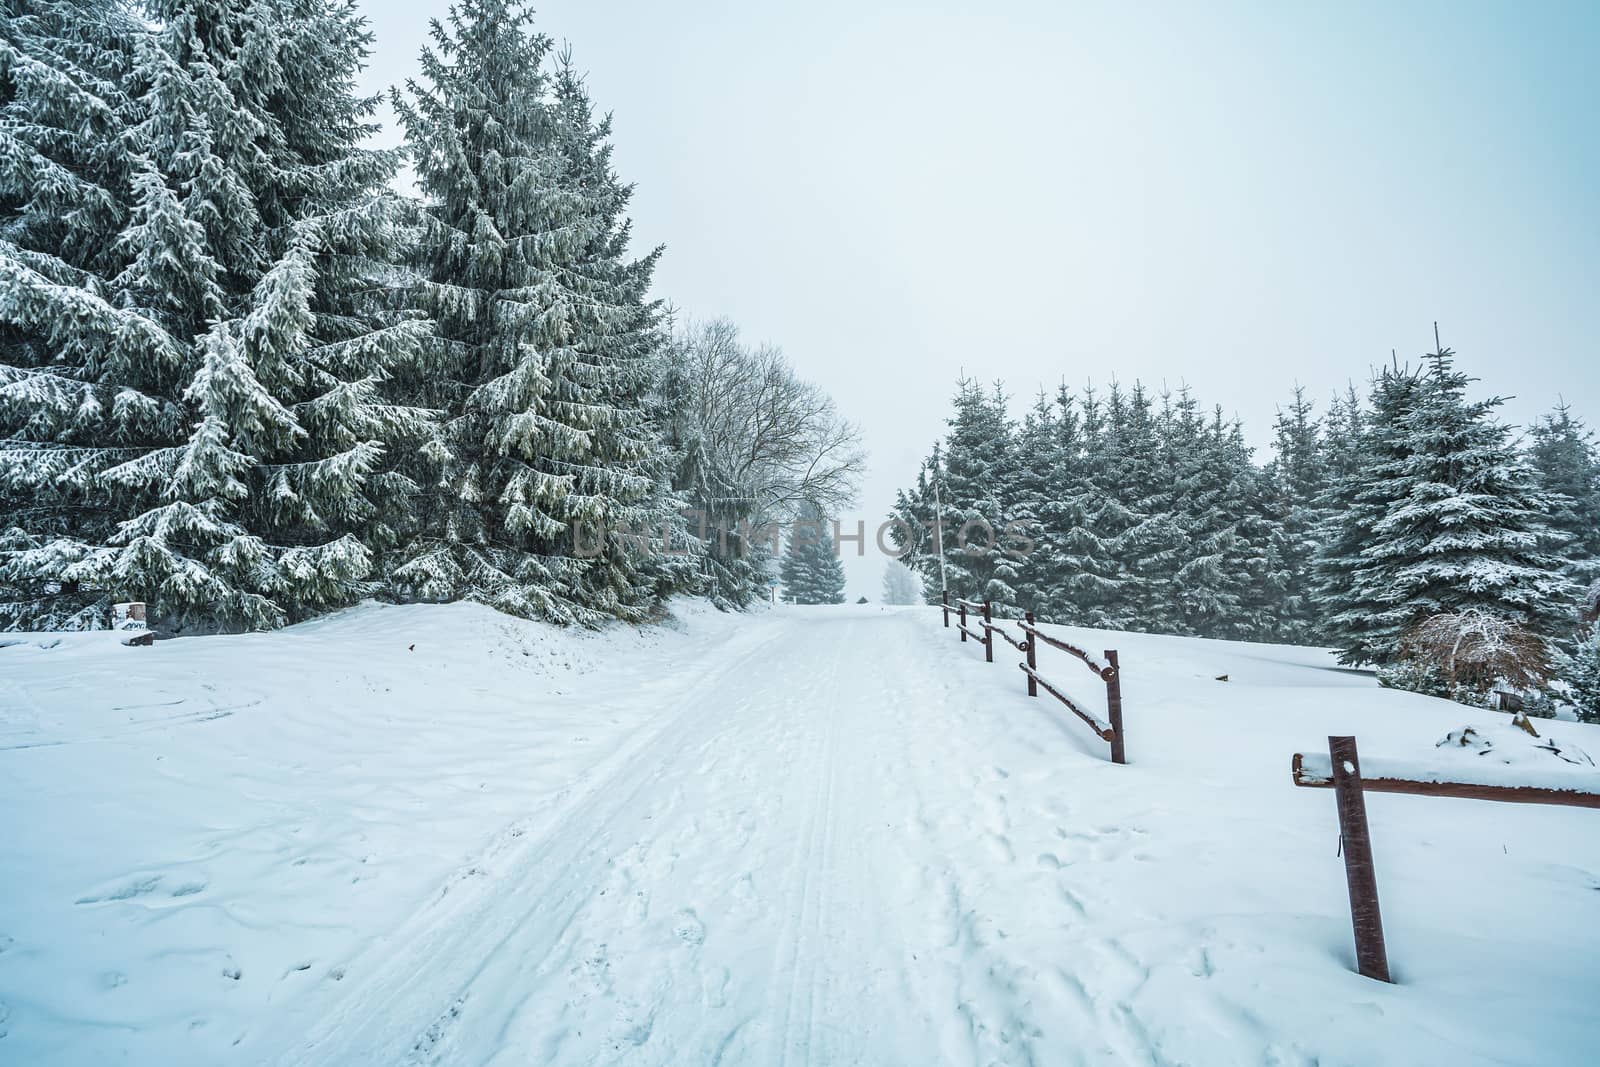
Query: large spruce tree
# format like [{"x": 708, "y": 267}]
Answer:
[
  {"x": 547, "y": 473},
  {"x": 87, "y": 381},
  {"x": 234, "y": 469},
  {"x": 977, "y": 483},
  {"x": 1356, "y": 502},
  {"x": 1449, "y": 519}
]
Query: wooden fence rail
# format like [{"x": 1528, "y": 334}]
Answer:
[
  {"x": 1314, "y": 772},
  {"x": 1106, "y": 669},
  {"x": 984, "y": 639},
  {"x": 1342, "y": 774}
]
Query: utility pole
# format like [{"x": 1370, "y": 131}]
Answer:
[{"x": 938, "y": 528}]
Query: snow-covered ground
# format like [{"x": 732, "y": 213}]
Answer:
[{"x": 833, "y": 835}]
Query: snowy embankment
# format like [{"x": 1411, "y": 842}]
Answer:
[
  {"x": 200, "y": 833},
  {"x": 826, "y": 835}
]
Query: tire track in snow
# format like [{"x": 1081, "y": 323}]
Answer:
[
  {"x": 452, "y": 940},
  {"x": 809, "y": 904},
  {"x": 796, "y": 866}
]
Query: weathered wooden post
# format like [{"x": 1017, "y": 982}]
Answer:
[
  {"x": 1113, "y": 680},
  {"x": 946, "y": 599},
  {"x": 961, "y": 608},
  {"x": 1033, "y": 660},
  {"x": 988, "y": 634},
  {"x": 1372, "y": 959}
]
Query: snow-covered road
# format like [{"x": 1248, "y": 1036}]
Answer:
[
  {"x": 433, "y": 835},
  {"x": 781, "y": 873}
]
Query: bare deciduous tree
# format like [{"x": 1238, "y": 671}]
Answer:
[
  {"x": 1477, "y": 650},
  {"x": 764, "y": 441}
]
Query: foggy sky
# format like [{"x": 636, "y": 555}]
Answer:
[{"x": 1240, "y": 197}]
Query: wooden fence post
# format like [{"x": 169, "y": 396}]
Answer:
[
  {"x": 1119, "y": 749},
  {"x": 946, "y": 599},
  {"x": 961, "y": 608},
  {"x": 1372, "y": 960},
  {"x": 988, "y": 634},
  {"x": 1033, "y": 659}
]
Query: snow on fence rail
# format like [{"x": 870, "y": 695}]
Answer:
[
  {"x": 1107, "y": 670},
  {"x": 1315, "y": 771},
  {"x": 986, "y": 639},
  {"x": 1341, "y": 772}
]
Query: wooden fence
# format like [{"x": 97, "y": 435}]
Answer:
[
  {"x": 1106, "y": 669},
  {"x": 1342, "y": 774}
]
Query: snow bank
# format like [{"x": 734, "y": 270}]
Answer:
[{"x": 199, "y": 833}]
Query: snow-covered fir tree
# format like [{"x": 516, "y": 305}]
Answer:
[
  {"x": 1056, "y": 561},
  {"x": 1087, "y": 584},
  {"x": 1566, "y": 462},
  {"x": 1580, "y": 670},
  {"x": 1461, "y": 525},
  {"x": 86, "y": 382},
  {"x": 1199, "y": 589},
  {"x": 1030, "y": 499},
  {"x": 900, "y": 584},
  {"x": 914, "y": 526},
  {"x": 243, "y": 477},
  {"x": 1137, "y": 521},
  {"x": 547, "y": 473},
  {"x": 1242, "y": 498},
  {"x": 287, "y": 487},
  {"x": 1296, "y": 481},
  {"x": 812, "y": 572},
  {"x": 977, "y": 483},
  {"x": 1356, "y": 501}
]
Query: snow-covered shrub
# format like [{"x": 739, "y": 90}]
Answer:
[
  {"x": 1581, "y": 673},
  {"x": 1468, "y": 655},
  {"x": 1416, "y": 676}
]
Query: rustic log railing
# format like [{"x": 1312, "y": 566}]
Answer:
[
  {"x": 1106, "y": 669},
  {"x": 984, "y": 639},
  {"x": 1342, "y": 774},
  {"x": 1018, "y": 643},
  {"x": 1314, "y": 772},
  {"x": 1108, "y": 729}
]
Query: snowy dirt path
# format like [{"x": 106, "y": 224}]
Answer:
[{"x": 779, "y": 876}]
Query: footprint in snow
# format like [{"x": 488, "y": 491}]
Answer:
[
  {"x": 1000, "y": 846},
  {"x": 136, "y": 888},
  {"x": 689, "y": 928}
]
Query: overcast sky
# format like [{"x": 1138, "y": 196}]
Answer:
[{"x": 1236, "y": 196}]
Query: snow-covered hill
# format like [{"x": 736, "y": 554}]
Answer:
[{"x": 832, "y": 835}]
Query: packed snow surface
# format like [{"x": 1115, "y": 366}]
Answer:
[{"x": 416, "y": 835}]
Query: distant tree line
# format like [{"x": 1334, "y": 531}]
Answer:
[{"x": 1375, "y": 527}]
